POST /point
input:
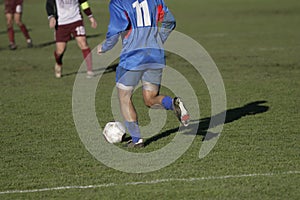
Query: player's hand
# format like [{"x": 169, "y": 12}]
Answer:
[
  {"x": 93, "y": 22},
  {"x": 52, "y": 22},
  {"x": 99, "y": 49}
]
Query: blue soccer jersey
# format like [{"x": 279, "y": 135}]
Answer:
[{"x": 136, "y": 21}]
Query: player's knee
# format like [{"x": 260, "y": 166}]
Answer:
[
  {"x": 83, "y": 46},
  {"x": 148, "y": 102},
  {"x": 9, "y": 23},
  {"x": 18, "y": 22},
  {"x": 59, "y": 52},
  {"x": 60, "y": 49}
]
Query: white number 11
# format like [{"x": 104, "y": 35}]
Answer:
[{"x": 142, "y": 13}]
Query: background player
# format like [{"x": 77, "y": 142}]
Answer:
[
  {"x": 142, "y": 57},
  {"x": 13, "y": 12},
  {"x": 66, "y": 18}
]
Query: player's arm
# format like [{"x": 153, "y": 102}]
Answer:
[
  {"x": 87, "y": 10},
  {"x": 118, "y": 24},
  {"x": 51, "y": 11},
  {"x": 168, "y": 22}
]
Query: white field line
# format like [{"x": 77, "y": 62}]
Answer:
[{"x": 148, "y": 182}]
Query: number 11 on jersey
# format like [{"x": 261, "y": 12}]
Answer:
[{"x": 142, "y": 13}]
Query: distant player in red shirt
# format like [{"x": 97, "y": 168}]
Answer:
[
  {"x": 66, "y": 18},
  {"x": 13, "y": 12}
]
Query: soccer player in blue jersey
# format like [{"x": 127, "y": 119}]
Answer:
[{"x": 142, "y": 58}]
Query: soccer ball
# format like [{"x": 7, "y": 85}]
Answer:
[{"x": 114, "y": 132}]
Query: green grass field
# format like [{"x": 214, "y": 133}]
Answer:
[{"x": 255, "y": 44}]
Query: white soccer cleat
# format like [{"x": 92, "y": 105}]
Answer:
[
  {"x": 181, "y": 112},
  {"x": 139, "y": 144},
  {"x": 12, "y": 46},
  {"x": 90, "y": 74},
  {"x": 29, "y": 43},
  {"x": 57, "y": 70}
]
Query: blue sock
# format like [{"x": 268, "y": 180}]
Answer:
[
  {"x": 134, "y": 130},
  {"x": 167, "y": 103}
]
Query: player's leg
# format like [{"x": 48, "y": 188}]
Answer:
[
  {"x": 151, "y": 96},
  {"x": 80, "y": 35},
  {"x": 126, "y": 81},
  {"x": 151, "y": 86},
  {"x": 86, "y": 52},
  {"x": 9, "y": 14},
  {"x": 153, "y": 99},
  {"x": 130, "y": 116},
  {"x": 62, "y": 36},
  {"x": 58, "y": 55},
  {"x": 10, "y": 30},
  {"x": 18, "y": 21},
  {"x": 151, "y": 80},
  {"x": 78, "y": 31}
]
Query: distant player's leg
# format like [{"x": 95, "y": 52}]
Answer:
[
  {"x": 86, "y": 52},
  {"x": 18, "y": 21},
  {"x": 9, "y": 14},
  {"x": 58, "y": 55},
  {"x": 62, "y": 36},
  {"x": 126, "y": 81},
  {"x": 10, "y": 31}
]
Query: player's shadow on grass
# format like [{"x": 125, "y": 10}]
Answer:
[
  {"x": 97, "y": 71},
  {"x": 45, "y": 44},
  {"x": 16, "y": 30},
  {"x": 200, "y": 127}
]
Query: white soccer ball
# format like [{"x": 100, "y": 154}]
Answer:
[{"x": 114, "y": 132}]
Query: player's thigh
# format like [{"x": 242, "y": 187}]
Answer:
[
  {"x": 127, "y": 79},
  {"x": 81, "y": 41},
  {"x": 18, "y": 18},
  {"x": 149, "y": 96},
  {"x": 124, "y": 95},
  {"x": 151, "y": 80},
  {"x": 9, "y": 19},
  {"x": 150, "y": 93}
]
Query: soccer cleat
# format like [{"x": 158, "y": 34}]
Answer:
[
  {"x": 29, "y": 43},
  {"x": 139, "y": 144},
  {"x": 180, "y": 111},
  {"x": 90, "y": 74},
  {"x": 57, "y": 70},
  {"x": 12, "y": 46}
]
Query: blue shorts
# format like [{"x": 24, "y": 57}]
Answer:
[{"x": 131, "y": 78}]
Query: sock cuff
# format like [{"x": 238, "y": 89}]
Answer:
[
  {"x": 134, "y": 130},
  {"x": 167, "y": 103},
  {"x": 85, "y": 51},
  {"x": 58, "y": 58}
]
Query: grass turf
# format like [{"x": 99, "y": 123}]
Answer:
[{"x": 255, "y": 45}]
